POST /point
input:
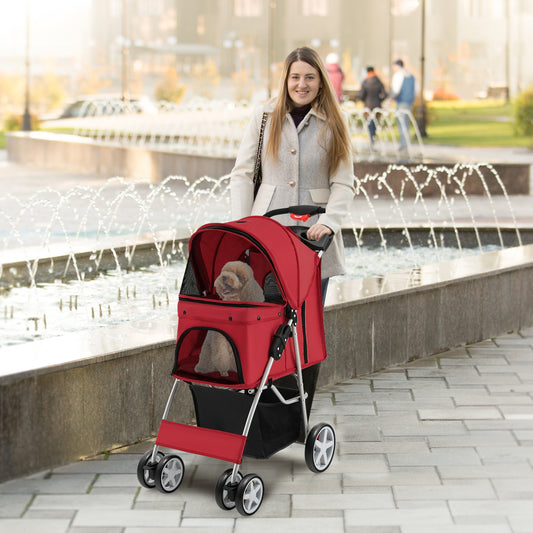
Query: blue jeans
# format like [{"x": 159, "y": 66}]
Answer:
[
  {"x": 403, "y": 124},
  {"x": 325, "y": 283}
]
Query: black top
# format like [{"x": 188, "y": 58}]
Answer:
[{"x": 298, "y": 113}]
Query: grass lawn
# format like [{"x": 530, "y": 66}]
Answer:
[{"x": 479, "y": 123}]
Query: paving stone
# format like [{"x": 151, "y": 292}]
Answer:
[
  {"x": 492, "y": 507},
  {"x": 343, "y": 502},
  {"x": 54, "y": 484},
  {"x": 399, "y": 517},
  {"x": 466, "y": 490},
  {"x": 460, "y": 528},
  {"x": 472, "y": 439},
  {"x": 34, "y": 526},
  {"x": 396, "y": 476},
  {"x": 155, "y": 529},
  {"x": 389, "y": 446},
  {"x": 494, "y": 399},
  {"x": 292, "y": 525},
  {"x": 126, "y": 518},
  {"x": 13, "y": 505},
  {"x": 460, "y": 413},
  {"x": 82, "y": 501},
  {"x": 426, "y": 428},
  {"x": 438, "y": 457},
  {"x": 490, "y": 471}
]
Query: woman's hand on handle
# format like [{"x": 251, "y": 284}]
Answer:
[{"x": 317, "y": 231}]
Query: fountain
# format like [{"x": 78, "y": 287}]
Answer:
[
  {"x": 89, "y": 257},
  {"x": 89, "y": 390}
]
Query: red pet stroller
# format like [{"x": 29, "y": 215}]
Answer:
[{"x": 251, "y": 410}]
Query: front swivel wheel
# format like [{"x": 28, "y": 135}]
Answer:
[
  {"x": 146, "y": 469},
  {"x": 225, "y": 491},
  {"x": 169, "y": 473},
  {"x": 249, "y": 494}
]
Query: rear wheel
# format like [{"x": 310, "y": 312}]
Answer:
[
  {"x": 169, "y": 473},
  {"x": 146, "y": 470},
  {"x": 320, "y": 448}
]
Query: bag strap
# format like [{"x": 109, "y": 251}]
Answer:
[{"x": 257, "y": 168}]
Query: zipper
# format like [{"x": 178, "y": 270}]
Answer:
[
  {"x": 253, "y": 240},
  {"x": 217, "y": 302}
]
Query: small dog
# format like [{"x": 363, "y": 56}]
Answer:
[{"x": 235, "y": 283}]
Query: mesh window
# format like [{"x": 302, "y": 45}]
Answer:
[
  {"x": 189, "y": 287},
  {"x": 271, "y": 290}
]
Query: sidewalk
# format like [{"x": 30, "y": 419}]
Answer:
[{"x": 442, "y": 445}]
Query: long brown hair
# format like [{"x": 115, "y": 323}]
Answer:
[{"x": 326, "y": 103}]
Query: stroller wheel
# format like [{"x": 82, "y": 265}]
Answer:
[
  {"x": 320, "y": 447},
  {"x": 249, "y": 494},
  {"x": 146, "y": 471},
  {"x": 169, "y": 473},
  {"x": 225, "y": 495}
]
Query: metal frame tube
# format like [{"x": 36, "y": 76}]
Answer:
[
  {"x": 165, "y": 414},
  {"x": 300, "y": 377}
]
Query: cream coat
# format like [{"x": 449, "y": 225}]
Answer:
[{"x": 298, "y": 177}]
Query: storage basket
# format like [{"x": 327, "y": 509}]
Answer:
[{"x": 274, "y": 426}]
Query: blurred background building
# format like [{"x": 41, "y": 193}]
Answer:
[{"x": 233, "y": 48}]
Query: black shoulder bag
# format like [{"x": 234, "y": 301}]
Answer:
[{"x": 258, "y": 176}]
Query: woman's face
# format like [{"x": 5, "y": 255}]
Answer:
[{"x": 303, "y": 83}]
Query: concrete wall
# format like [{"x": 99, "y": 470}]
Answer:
[
  {"x": 63, "y": 399},
  {"x": 79, "y": 154}
]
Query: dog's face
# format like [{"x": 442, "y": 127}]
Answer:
[{"x": 233, "y": 277}]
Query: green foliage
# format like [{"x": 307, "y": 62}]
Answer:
[
  {"x": 170, "y": 90},
  {"x": 523, "y": 112},
  {"x": 14, "y": 122},
  {"x": 474, "y": 123}
]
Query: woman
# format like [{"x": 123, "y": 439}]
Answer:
[{"x": 306, "y": 157}]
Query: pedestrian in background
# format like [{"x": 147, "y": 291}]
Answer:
[
  {"x": 335, "y": 73},
  {"x": 403, "y": 93},
  {"x": 372, "y": 94}
]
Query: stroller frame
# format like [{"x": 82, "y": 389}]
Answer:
[{"x": 232, "y": 488}]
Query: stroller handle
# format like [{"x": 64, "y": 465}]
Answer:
[
  {"x": 303, "y": 212},
  {"x": 299, "y": 210}
]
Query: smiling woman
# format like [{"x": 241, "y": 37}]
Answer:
[{"x": 303, "y": 83}]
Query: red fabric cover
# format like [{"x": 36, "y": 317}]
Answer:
[
  {"x": 201, "y": 441},
  {"x": 294, "y": 264},
  {"x": 271, "y": 247}
]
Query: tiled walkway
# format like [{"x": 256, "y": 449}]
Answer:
[{"x": 441, "y": 445}]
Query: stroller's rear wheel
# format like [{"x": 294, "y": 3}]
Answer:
[
  {"x": 169, "y": 473},
  {"x": 224, "y": 494},
  {"x": 249, "y": 494},
  {"x": 320, "y": 447},
  {"x": 146, "y": 469}
]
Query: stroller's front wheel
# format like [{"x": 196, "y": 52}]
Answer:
[
  {"x": 225, "y": 492},
  {"x": 320, "y": 447},
  {"x": 249, "y": 494},
  {"x": 169, "y": 473},
  {"x": 146, "y": 469}
]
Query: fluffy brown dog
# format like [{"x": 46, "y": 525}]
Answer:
[{"x": 236, "y": 282}]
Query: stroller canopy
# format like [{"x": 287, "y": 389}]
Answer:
[{"x": 294, "y": 265}]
